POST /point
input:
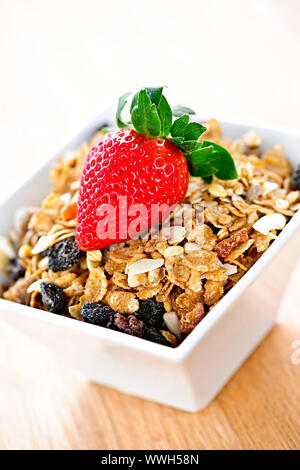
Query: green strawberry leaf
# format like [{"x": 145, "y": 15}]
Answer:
[
  {"x": 188, "y": 131},
  {"x": 211, "y": 159},
  {"x": 179, "y": 110},
  {"x": 165, "y": 116},
  {"x": 152, "y": 116},
  {"x": 144, "y": 116},
  {"x": 121, "y": 104},
  {"x": 193, "y": 131},
  {"x": 154, "y": 94},
  {"x": 179, "y": 126},
  {"x": 176, "y": 141},
  {"x": 187, "y": 146},
  {"x": 208, "y": 179}
]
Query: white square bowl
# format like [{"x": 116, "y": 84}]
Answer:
[{"x": 189, "y": 376}]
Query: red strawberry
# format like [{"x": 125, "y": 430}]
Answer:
[
  {"x": 125, "y": 163},
  {"x": 130, "y": 172}
]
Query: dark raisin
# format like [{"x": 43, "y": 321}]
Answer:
[
  {"x": 151, "y": 312},
  {"x": 129, "y": 324},
  {"x": 296, "y": 177},
  {"x": 64, "y": 255},
  {"x": 15, "y": 270},
  {"x": 53, "y": 297},
  {"x": 98, "y": 314},
  {"x": 154, "y": 335}
]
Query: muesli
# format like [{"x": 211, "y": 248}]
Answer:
[{"x": 158, "y": 285}]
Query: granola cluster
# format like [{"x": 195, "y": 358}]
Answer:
[{"x": 183, "y": 269}]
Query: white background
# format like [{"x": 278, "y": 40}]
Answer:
[{"x": 62, "y": 61}]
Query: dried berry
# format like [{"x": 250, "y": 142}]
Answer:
[
  {"x": 15, "y": 270},
  {"x": 129, "y": 324},
  {"x": 225, "y": 247},
  {"x": 98, "y": 314},
  {"x": 151, "y": 312},
  {"x": 154, "y": 335},
  {"x": 191, "y": 316},
  {"x": 64, "y": 255},
  {"x": 296, "y": 177},
  {"x": 53, "y": 297}
]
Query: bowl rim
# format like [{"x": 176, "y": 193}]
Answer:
[{"x": 179, "y": 353}]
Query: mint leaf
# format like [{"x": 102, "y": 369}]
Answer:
[
  {"x": 121, "y": 104},
  {"x": 180, "y": 110},
  {"x": 144, "y": 116},
  {"x": 165, "y": 115},
  {"x": 209, "y": 159}
]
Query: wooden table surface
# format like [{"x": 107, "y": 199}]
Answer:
[
  {"x": 46, "y": 405},
  {"x": 60, "y": 61}
]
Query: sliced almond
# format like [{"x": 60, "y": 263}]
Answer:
[
  {"x": 189, "y": 247},
  {"x": 281, "y": 204},
  {"x": 145, "y": 265},
  {"x": 44, "y": 262},
  {"x": 133, "y": 280},
  {"x": 270, "y": 222},
  {"x": 253, "y": 192},
  {"x": 173, "y": 234},
  {"x": 172, "y": 322},
  {"x": 43, "y": 243},
  {"x": 229, "y": 268},
  {"x": 173, "y": 251},
  {"x": 35, "y": 286},
  {"x": 268, "y": 187},
  {"x": 48, "y": 240},
  {"x": 252, "y": 139},
  {"x": 235, "y": 198},
  {"x": 6, "y": 248},
  {"x": 75, "y": 185},
  {"x": 292, "y": 196},
  {"x": 65, "y": 198}
]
